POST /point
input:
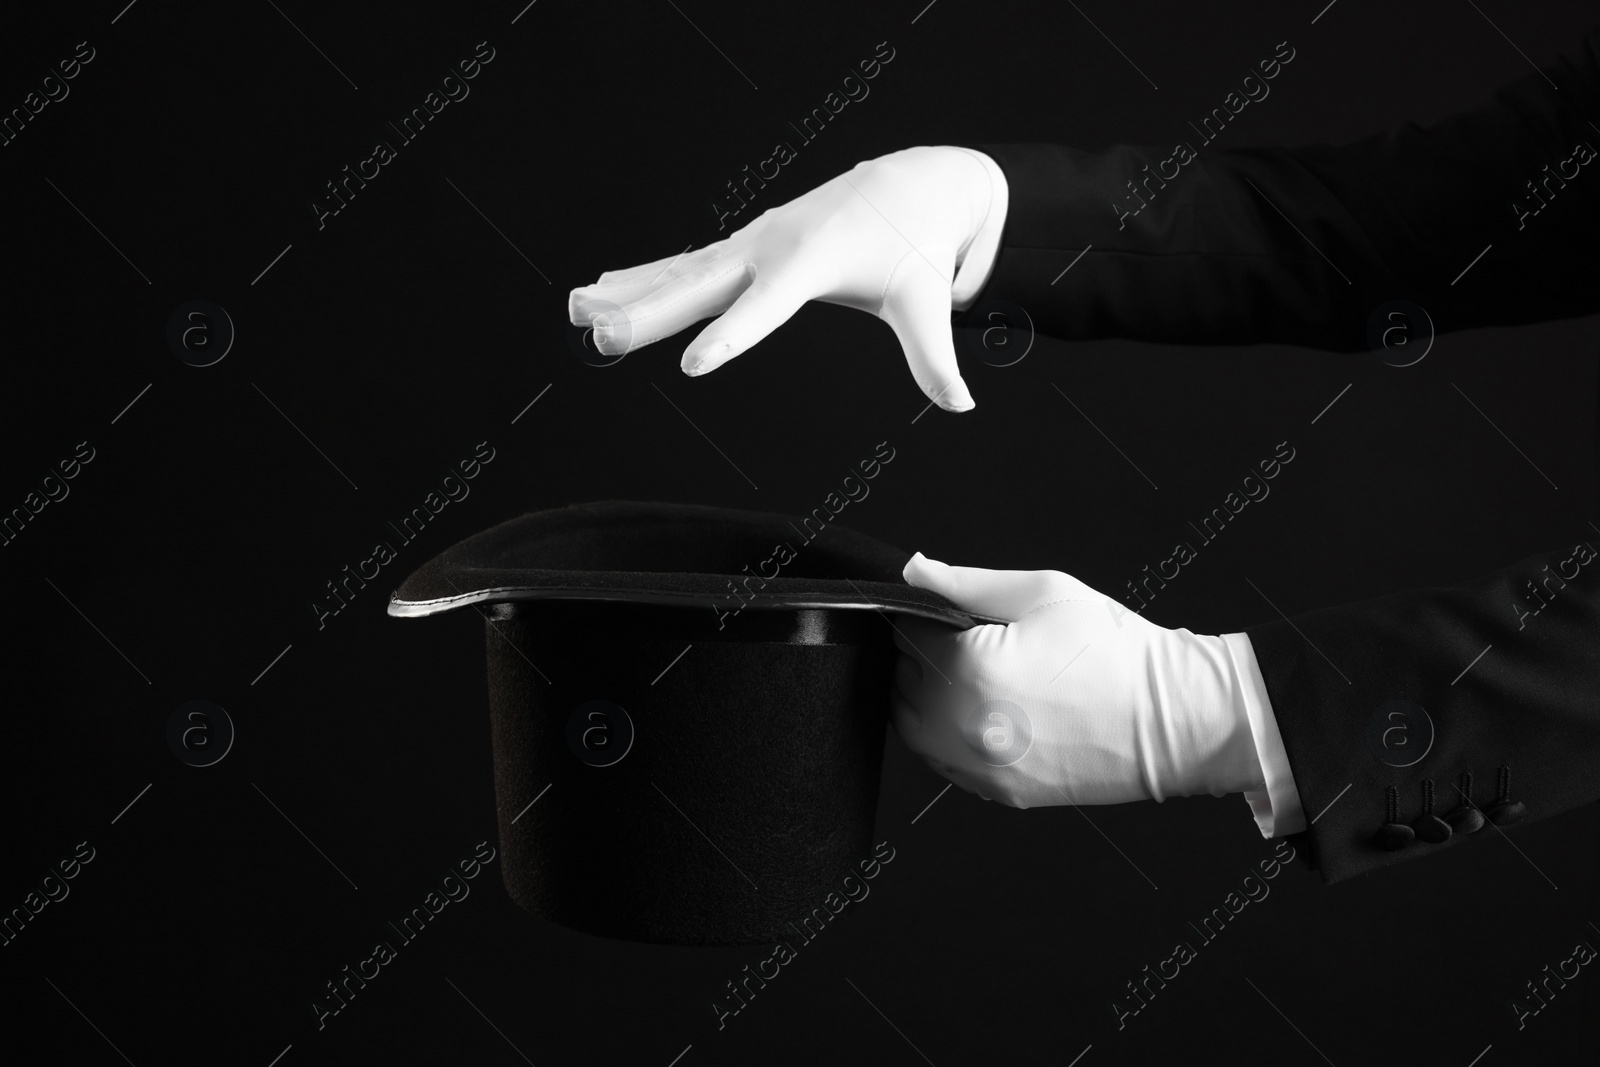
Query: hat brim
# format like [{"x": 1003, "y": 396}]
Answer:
[{"x": 679, "y": 555}]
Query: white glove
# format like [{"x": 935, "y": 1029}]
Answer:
[
  {"x": 1078, "y": 700},
  {"x": 901, "y": 236}
]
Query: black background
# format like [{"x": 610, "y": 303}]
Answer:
[{"x": 408, "y": 330}]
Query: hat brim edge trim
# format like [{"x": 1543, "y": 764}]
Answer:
[{"x": 416, "y": 609}]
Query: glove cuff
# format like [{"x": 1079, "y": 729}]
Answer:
[
  {"x": 1204, "y": 733},
  {"x": 976, "y": 260},
  {"x": 1275, "y": 805}
]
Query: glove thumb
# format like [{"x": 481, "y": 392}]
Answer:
[
  {"x": 1003, "y": 595},
  {"x": 917, "y": 307}
]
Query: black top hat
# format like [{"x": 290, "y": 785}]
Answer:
[{"x": 688, "y": 707}]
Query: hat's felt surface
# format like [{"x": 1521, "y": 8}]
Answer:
[
  {"x": 729, "y": 778},
  {"x": 670, "y": 554},
  {"x": 749, "y": 782}
]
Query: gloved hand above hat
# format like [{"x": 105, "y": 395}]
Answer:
[
  {"x": 907, "y": 237},
  {"x": 1078, "y": 700}
]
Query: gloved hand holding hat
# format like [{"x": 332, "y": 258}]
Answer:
[{"x": 1074, "y": 698}]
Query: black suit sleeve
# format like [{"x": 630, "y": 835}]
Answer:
[
  {"x": 1499, "y": 676},
  {"x": 1299, "y": 245},
  {"x": 1490, "y": 217}
]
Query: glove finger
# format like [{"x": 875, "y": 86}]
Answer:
[
  {"x": 908, "y": 675},
  {"x": 670, "y": 305},
  {"x": 928, "y": 643},
  {"x": 995, "y": 594},
  {"x": 916, "y": 306},
  {"x": 907, "y": 721},
  {"x": 918, "y": 741},
  {"x": 920, "y": 738},
  {"x": 608, "y": 294},
  {"x": 769, "y": 302},
  {"x": 669, "y": 266}
]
